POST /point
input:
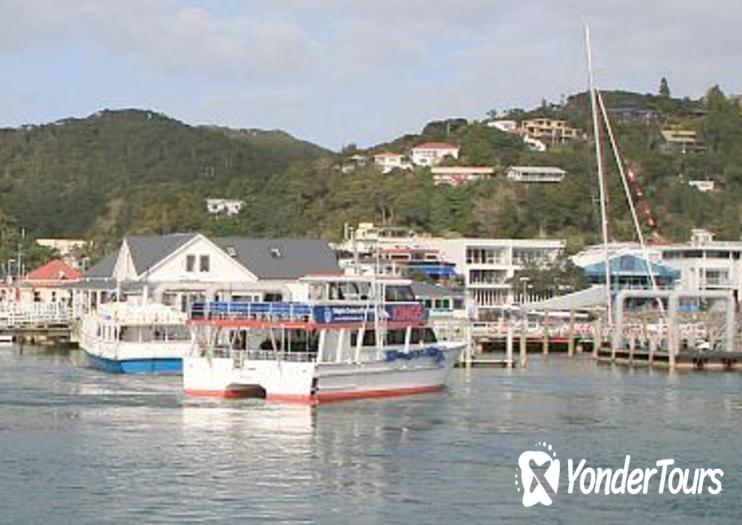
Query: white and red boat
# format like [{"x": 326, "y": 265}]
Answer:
[{"x": 352, "y": 338}]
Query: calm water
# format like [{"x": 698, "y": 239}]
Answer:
[{"x": 80, "y": 446}]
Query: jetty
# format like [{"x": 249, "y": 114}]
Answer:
[{"x": 45, "y": 324}]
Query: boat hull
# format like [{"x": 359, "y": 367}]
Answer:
[
  {"x": 309, "y": 382},
  {"x": 142, "y": 366}
]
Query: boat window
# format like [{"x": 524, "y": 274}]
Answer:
[
  {"x": 399, "y": 294},
  {"x": 396, "y": 336},
  {"x": 273, "y": 298},
  {"x": 369, "y": 338},
  {"x": 422, "y": 335}
]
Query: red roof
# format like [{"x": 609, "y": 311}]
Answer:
[
  {"x": 56, "y": 270},
  {"x": 436, "y": 145}
]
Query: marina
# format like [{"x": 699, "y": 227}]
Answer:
[{"x": 66, "y": 428}]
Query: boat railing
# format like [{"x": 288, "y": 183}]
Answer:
[
  {"x": 325, "y": 313},
  {"x": 248, "y": 311},
  {"x": 240, "y": 356}
]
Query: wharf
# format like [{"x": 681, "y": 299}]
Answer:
[{"x": 685, "y": 360}]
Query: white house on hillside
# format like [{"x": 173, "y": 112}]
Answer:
[
  {"x": 536, "y": 174},
  {"x": 455, "y": 175},
  {"x": 432, "y": 153},
  {"x": 224, "y": 206},
  {"x": 391, "y": 161}
]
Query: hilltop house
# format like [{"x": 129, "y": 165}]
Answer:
[
  {"x": 680, "y": 140},
  {"x": 455, "y": 175},
  {"x": 391, "y": 161},
  {"x": 227, "y": 207},
  {"x": 540, "y": 174},
  {"x": 549, "y": 131},
  {"x": 178, "y": 269},
  {"x": 432, "y": 153}
]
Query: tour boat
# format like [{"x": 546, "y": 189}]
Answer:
[
  {"x": 135, "y": 338},
  {"x": 352, "y": 338}
]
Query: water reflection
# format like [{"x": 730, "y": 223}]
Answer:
[{"x": 85, "y": 446}]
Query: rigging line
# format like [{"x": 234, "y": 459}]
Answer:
[
  {"x": 601, "y": 178},
  {"x": 627, "y": 191}
]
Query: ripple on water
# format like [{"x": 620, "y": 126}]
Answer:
[{"x": 84, "y": 446}]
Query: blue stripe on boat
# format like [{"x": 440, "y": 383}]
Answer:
[{"x": 164, "y": 366}]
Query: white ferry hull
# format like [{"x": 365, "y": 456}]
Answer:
[{"x": 309, "y": 382}]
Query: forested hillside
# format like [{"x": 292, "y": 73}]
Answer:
[{"x": 138, "y": 171}]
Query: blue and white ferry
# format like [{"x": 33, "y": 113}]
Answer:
[{"x": 135, "y": 338}]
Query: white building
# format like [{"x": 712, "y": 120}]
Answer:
[
  {"x": 485, "y": 265},
  {"x": 534, "y": 144},
  {"x": 540, "y": 174},
  {"x": 432, "y": 153},
  {"x": 706, "y": 264},
  {"x": 228, "y": 207},
  {"x": 391, "y": 161},
  {"x": 178, "y": 269},
  {"x": 703, "y": 186},
  {"x": 455, "y": 175},
  {"x": 508, "y": 126}
]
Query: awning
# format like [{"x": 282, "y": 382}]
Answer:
[{"x": 588, "y": 299}]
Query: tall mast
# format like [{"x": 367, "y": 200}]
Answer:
[{"x": 601, "y": 175}]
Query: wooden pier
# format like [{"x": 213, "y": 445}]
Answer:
[{"x": 39, "y": 324}]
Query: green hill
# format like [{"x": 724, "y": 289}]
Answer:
[
  {"x": 142, "y": 172},
  {"x": 79, "y": 176}
]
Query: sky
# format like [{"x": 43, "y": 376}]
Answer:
[{"x": 337, "y": 72}]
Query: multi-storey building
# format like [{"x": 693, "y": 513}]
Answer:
[{"x": 549, "y": 131}]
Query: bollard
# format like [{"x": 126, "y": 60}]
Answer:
[
  {"x": 571, "y": 334},
  {"x": 523, "y": 343},
  {"x": 509, "y": 346}
]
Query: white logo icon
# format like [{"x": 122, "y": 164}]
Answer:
[{"x": 539, "y": 475}]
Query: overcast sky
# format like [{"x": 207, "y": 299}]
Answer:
[{"x": 342, "y": 71}]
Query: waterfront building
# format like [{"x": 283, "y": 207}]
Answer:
[
  {"x": 179, "y": 269},
  {"x": 632, "y": 272},
  {"x": 227, "y": 207},
  {"x": 706, "y": 264},
  {"x": 432, "y": 153},
  {"x": 45, "y": 284},
  {"x": 455, "y": 175},
  {"x": 540, "y": 174},
  {"x": 485, "y": 266}
]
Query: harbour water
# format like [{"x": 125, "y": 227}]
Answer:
[{"x": 81, "y": 446}]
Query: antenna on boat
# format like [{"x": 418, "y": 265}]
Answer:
[{"x": 601, "y": 175}]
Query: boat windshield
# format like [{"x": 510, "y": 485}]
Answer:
[{"x": 162, "y": 333}]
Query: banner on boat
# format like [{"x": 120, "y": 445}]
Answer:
[{"x": 394, "y": 313}]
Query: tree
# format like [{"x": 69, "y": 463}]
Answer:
[{"x": 664, "y": 88}]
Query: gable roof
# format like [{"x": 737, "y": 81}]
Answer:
[
  {"x": 103, "y": 269},
  {"x": 435, "y": 145},
  {"x": 148, "y": 250},
  {"x": 281, "y": 258},
  {"x": 55, "y": 270}
]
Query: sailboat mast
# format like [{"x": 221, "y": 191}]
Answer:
[{"x": 601, "y": 175}]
